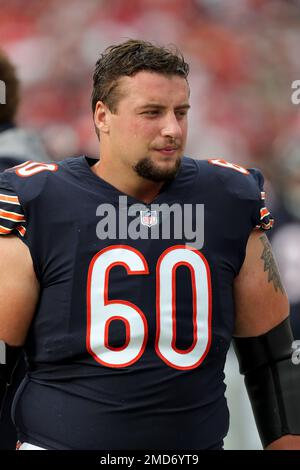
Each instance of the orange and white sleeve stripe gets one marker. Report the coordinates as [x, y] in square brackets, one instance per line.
[266, 219]
[12, 218]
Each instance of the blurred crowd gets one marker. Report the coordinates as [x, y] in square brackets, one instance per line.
[243, 55]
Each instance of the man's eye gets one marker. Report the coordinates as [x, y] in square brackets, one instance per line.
[151, 113]
[181, 114]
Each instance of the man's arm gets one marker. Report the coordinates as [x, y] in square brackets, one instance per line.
[19, 290]
[260, 300]
[261, 304]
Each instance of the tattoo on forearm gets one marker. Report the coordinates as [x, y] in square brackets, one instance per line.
[270, 265]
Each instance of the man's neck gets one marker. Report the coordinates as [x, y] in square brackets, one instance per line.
[127, 181]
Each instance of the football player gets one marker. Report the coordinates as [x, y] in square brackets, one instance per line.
[125, 319]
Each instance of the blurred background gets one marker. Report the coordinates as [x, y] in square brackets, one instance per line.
[244, 56]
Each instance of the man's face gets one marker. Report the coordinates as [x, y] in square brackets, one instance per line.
[149, 129]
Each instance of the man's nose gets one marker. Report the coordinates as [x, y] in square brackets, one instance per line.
[171, 127]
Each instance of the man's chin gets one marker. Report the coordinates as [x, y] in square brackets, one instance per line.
[162, 171]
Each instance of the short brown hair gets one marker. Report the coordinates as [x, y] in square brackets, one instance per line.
[127, 59]
[8, 76]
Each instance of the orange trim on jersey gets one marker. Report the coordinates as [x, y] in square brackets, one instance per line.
[21, 230]
[264, 212]
[10, 199]
[268, 226]
[5, 230]
[11, 216]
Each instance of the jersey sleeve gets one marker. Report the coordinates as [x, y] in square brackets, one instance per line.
[261, 217]
[12, 218]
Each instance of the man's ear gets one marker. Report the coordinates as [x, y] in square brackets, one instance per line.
[101, 117]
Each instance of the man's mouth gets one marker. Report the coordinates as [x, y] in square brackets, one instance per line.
[167, 150]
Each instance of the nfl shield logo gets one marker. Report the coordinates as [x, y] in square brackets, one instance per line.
[148, 218]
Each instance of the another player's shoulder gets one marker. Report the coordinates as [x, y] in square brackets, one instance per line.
[239, 181]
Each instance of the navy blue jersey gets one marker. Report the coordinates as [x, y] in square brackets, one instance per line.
[135, 317]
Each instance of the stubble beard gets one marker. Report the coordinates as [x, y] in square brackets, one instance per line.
[148, 170]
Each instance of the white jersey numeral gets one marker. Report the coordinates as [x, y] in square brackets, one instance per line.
[32, 168]
[169, 261]
[102, 311]
[225, 164]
